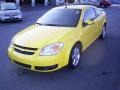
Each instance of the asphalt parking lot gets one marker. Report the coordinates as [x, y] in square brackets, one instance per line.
[99, 68]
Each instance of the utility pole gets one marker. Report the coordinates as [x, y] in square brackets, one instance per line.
[33, 3]
[18, 3]
[46, 3]
[57, 2]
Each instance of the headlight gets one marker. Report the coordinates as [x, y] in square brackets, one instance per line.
[51, 49]
[19, 13]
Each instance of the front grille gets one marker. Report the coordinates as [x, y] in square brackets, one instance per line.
[46, 68]
[21, 64]
[23, 52]
[28, 48]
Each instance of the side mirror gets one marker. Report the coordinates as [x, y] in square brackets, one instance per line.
[101, 9]
[89, 22]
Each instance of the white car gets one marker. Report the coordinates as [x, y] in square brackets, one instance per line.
[10, 12]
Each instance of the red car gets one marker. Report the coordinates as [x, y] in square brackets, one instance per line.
[105, 3]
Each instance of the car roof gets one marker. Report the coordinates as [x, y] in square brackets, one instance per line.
[75, 6]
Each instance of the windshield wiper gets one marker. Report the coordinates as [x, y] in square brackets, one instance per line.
[47, 24]
[39, 23]
[10, 9]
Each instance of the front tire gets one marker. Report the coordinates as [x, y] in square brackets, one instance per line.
[75, 56]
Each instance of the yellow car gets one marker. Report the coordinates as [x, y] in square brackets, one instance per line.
[58, 38]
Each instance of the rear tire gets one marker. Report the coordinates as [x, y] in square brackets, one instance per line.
[103, 34]
[75, 56]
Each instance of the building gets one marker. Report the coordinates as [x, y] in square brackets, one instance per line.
[27, 2]
[2, 0]
[42, 2]
[34, 2]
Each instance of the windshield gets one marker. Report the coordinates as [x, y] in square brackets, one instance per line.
[8, 6]
[61, 17]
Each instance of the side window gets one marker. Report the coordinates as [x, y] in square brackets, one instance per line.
[89, 15]
[97, 11]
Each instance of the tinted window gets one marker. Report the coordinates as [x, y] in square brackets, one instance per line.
[89, 14]
[61, 17]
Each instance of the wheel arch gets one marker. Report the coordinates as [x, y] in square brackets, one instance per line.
[70, 49]
[76, 43]
[80, 43]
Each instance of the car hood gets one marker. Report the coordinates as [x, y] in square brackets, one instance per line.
[10, 12]
[38, 36]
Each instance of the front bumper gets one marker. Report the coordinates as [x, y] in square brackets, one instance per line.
[52, 67]
[11, 18]
[38, 63]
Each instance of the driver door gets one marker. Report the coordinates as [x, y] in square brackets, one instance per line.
[88, 30]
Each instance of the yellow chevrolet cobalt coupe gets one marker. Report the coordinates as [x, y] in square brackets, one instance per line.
[58, 38]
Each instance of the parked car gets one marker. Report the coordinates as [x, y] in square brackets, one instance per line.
[100, 3]
[105, 3]
[9, 12]
[58, 38]
[94, 2]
